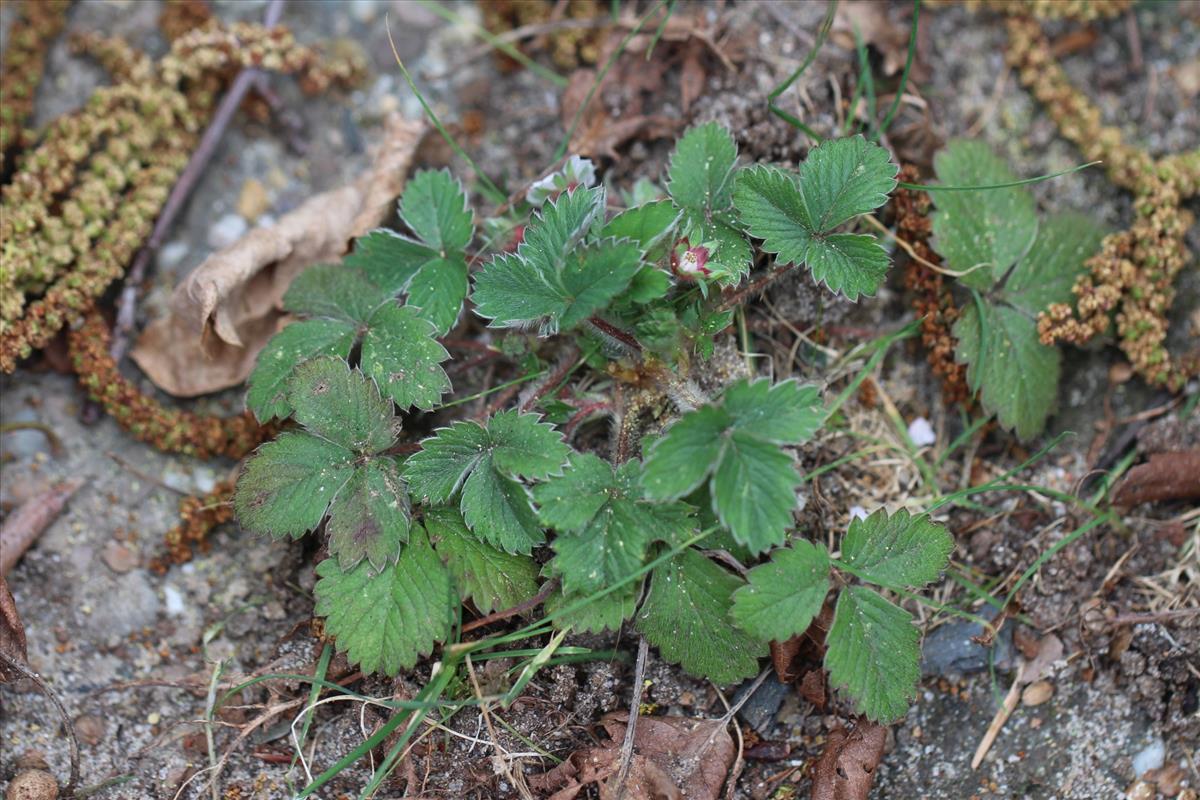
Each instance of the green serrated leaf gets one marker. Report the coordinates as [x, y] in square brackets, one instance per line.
[843, 178]
[266, 394]
[400, 352]
[552, 235]
[369, 518]
[499, 511]
[437, 290]
[1048, 271]
[785, 412]
[1016, 375]
[604, 527]
[333, 291]
[647, 225]
[783, 596]
[491, 578]
[686, 616]
[598, 615]
[896, 550]
[434, 205]
[873, 654]
[753, 481]
[700, 169]
[754, 491]
[288, 483]
[525, 447]
[680, 461]
[342, 405]
[850, 263]
[993, 227]
[445, 461]
[388, 259]
[730, 255]
[385, 621]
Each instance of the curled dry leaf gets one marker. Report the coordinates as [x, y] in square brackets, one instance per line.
[846, 767]
[1166, 476]
[674, 758]
[227, 309]
[871, 20]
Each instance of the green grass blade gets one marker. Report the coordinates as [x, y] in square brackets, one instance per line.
[912, 52]
[600, 76]
[822, 35]
[925, 187]
[437, 123]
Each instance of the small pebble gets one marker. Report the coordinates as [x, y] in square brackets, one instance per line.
[225, 231]
[1037, 693]
[174, 600]
[1140, 791]
[921, 432]
[119, 558]
[1150, 757]
[858, 512]
[154, 718]
[252, 200]
[32, 784]
[89, 728]
[171, 255]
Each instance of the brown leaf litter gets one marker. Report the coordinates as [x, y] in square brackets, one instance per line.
[22, 528]
[846, 768]
[224, 313]
[674, 758]
[1166, 476]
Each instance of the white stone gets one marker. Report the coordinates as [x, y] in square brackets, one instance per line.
[225, 231]
[921, 432]
[1150, 757]
[174, 600]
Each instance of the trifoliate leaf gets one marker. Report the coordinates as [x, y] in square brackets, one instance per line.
[597, 614]
[795, 215]
[491, 578]
[400, 352]
[992, 227]
[433, 268]
[553, 234]
[873, 654]
[896, 550]
[342, 405]
[385, 621]
[1015, 374]
[647, 225]
[486, 463]
[370, 516]
[333, 291]
[434, 205]
[700, 169]
[686, 616]
[783, 596]
[288, 483]
[603, 525]
[1047, 273]
[737, 443]
[266, 394]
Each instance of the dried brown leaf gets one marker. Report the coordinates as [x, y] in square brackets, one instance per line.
[227, 309]
[870, 18]
[23, 526]
[674, 758]
[1166, 476]
[846, 767]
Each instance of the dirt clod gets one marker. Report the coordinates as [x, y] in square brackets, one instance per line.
[32, 784]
